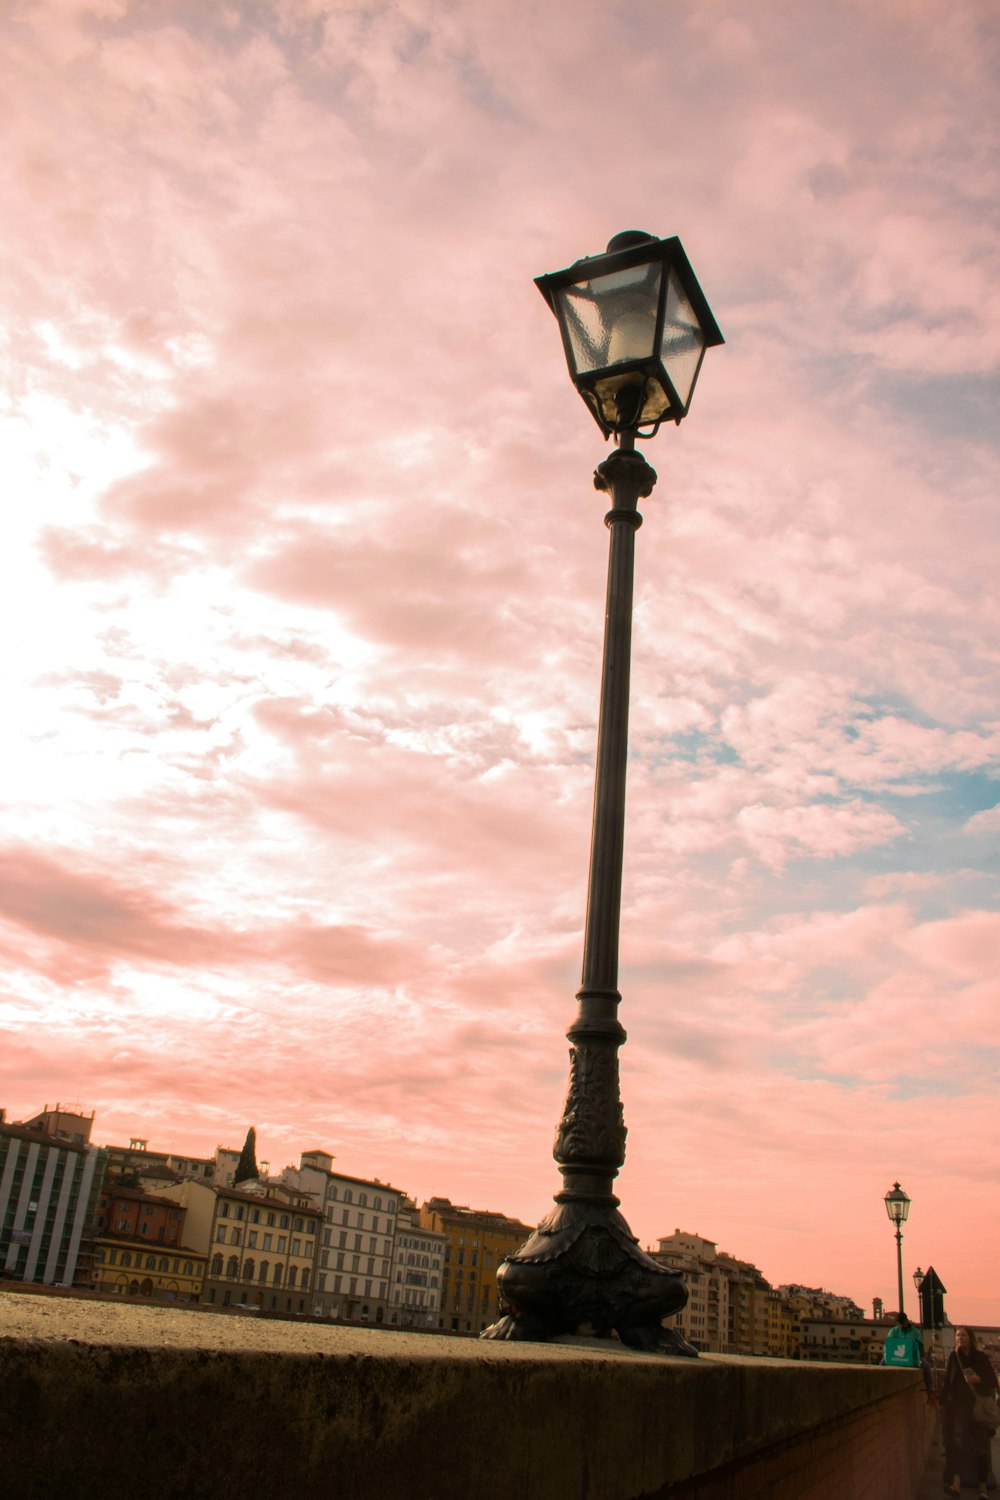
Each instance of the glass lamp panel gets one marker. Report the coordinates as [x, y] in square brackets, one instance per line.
[611, 320]
[683, 339]
[897, 1204]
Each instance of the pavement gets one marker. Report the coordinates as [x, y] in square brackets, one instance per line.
[932, 1480]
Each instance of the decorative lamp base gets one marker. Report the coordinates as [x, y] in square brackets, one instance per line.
[583, 1266]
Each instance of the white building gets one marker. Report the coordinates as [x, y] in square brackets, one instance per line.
[50, 1183]
[354, 1257]
[417, 1271]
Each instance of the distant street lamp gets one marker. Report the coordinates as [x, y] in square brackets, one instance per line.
[918, 1281]
[635, 326]
[897, 1206]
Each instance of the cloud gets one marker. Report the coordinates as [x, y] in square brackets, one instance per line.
[306, 581]
[985, 822]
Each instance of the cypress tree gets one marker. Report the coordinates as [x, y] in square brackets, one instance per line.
[246, 1170]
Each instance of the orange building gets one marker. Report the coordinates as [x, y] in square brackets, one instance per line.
[477, 1241]
[140, 1250]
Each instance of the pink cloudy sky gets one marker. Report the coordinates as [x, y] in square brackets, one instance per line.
[303, 581]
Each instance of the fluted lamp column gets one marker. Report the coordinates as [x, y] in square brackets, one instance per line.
[635, 325]
[897, 1206]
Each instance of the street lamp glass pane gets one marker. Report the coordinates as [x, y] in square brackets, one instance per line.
[683, 339]
[897, 1204]
[611, 320]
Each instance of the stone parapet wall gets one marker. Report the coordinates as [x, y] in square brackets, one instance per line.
[107, 1398]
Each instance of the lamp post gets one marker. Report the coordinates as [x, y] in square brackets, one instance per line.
[635, 326]
[897, 1206]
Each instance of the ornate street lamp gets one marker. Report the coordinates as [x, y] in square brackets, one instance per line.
[635, 326]
[897, 1206]
[918, 1281]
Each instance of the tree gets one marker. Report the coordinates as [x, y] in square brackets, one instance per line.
[246, 1169]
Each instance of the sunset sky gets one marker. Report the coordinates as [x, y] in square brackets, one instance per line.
[302, 574]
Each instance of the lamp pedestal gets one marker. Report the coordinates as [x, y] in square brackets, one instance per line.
[583, 1265]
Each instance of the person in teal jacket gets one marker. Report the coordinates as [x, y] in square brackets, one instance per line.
[904, 1350]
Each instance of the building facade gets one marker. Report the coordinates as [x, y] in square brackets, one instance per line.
[477, 1240]
[733, 1309]
[259, 1240]
[140, 1250]
[704, 1320]
[354, 1257]
[49, 1189]
[417, 1271]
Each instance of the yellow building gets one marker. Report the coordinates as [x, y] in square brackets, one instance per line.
[260, 1241]
[263, 1249]
[135, 1268]
[477, 1241]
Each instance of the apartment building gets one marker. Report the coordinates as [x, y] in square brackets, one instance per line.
[477, 1240]
[259, 1239]
[355, 1251]
[417, 1273]
[50, 1181]
[140, 1250]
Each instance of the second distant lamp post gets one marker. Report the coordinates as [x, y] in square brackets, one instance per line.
[635, 326]
[897, 1206]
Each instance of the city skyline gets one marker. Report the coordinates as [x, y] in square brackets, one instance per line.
[304, 576]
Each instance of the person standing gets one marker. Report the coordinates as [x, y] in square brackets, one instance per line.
[968, 1375]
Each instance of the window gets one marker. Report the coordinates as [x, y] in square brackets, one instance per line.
[276, 1278]
[248, 1270]
[378, 1203]
[270, 1224]
[292, 1273]
[282, 1242]
[224, 1210]
[216, 1265]
[363, 1199]
[347, 1196]
[221, 1236]
[252, 1239]
[189, 1268]
[296, 1247]
[283, 1222]
[255, 1216]
[264, 1268]
[267, 1242]
[240, 1210]
[232, 1268]
[164, 1263]
[297, 1225]
[122, 1224]
[150, 1262]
